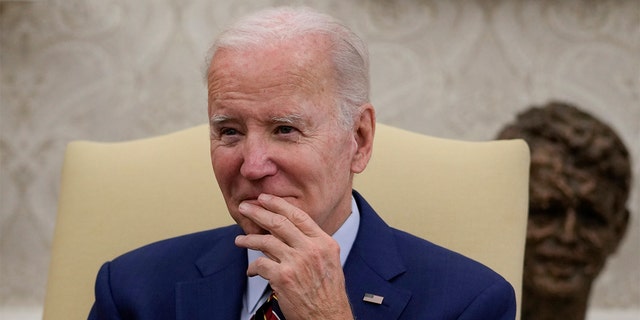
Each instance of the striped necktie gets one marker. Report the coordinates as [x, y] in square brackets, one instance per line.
[269, 310]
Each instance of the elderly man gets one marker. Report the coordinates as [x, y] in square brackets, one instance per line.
[580, 182]
[291, 124]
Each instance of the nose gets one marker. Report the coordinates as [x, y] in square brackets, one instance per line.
[257, 161]
[568, 227]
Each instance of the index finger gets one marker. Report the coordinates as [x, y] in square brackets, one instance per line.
[295, 215]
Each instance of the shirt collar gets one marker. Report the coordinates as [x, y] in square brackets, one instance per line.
[345, 236]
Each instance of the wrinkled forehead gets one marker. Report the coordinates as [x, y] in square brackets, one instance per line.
[553, 166]
[304, 63]
[310, 51]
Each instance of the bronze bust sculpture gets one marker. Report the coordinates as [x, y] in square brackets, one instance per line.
[580, 181]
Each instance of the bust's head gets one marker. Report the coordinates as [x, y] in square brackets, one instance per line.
[580, 181]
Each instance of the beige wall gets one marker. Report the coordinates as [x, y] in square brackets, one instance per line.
[113, 70]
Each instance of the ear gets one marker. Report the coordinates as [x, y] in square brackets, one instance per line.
[363, 130]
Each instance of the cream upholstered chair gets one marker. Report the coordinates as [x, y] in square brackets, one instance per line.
[469, 196]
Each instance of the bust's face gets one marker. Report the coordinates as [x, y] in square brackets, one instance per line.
[574, 220]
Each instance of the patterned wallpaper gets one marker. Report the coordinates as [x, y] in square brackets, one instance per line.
[112, 70]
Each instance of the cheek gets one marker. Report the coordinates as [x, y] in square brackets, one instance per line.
[339, 153]
[537, 232]
[225, 166]
[334, 169]
[600, 242]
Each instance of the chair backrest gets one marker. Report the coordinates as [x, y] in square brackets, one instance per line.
[471, 197]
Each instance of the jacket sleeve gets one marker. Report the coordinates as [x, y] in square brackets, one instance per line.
[104, 308]
[497, 301]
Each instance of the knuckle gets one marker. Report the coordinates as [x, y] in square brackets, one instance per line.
[278, 222]
[267, 241]
[260, 263]
[298, 216]
[287, 275]
[333, 247]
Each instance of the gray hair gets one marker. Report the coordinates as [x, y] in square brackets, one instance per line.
[349, 52]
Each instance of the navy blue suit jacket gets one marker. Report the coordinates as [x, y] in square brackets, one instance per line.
[182, 278]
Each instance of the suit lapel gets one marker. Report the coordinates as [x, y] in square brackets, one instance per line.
[372, 263]
[363, 280]
[218, 294]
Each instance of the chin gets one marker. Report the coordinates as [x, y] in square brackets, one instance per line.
[248, 226]
[560, 288]
[253, 229]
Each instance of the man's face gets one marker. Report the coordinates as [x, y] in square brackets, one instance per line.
[574, 221]
[274, 129]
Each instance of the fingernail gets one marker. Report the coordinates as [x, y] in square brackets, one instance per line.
[265, 197]
[243, 207]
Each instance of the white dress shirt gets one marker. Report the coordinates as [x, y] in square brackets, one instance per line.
[255, 293]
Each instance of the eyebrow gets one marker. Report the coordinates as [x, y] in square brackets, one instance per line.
[218, 118]
[288, 119]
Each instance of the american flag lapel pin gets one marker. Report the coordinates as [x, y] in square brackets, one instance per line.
[372, 298]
